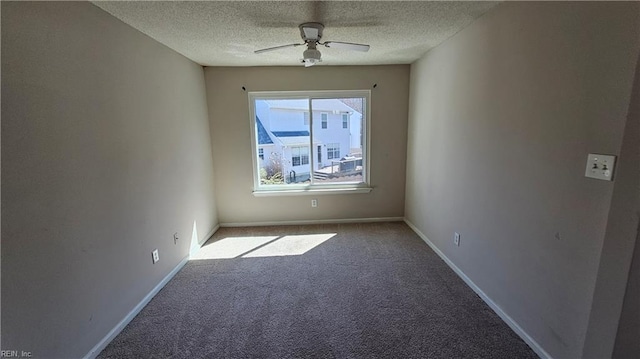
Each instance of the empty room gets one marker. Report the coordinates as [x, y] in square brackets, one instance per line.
[320, 179]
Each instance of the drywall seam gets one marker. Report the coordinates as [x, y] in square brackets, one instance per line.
[313, 221]
[504, 316]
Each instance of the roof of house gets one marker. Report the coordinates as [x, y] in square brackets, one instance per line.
[290, 133]
[294, 141]
[289, 138]
[263, 135]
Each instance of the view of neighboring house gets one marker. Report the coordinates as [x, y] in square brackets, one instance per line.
[284, 131]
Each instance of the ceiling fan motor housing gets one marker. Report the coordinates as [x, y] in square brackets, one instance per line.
[311, 31]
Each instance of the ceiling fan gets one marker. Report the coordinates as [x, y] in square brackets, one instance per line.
[311, 33]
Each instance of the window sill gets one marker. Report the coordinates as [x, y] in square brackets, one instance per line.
[314, 191]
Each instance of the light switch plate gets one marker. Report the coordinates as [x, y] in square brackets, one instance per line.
[600, 166]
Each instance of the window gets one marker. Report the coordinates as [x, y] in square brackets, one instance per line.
[333, 151]
[299, 156]
[306, 156]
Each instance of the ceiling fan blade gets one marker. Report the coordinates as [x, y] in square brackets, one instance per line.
[346, 46]
[310, 33]
[276, 48]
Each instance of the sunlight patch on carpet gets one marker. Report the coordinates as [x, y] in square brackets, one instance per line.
[290, 245]
[261, 246]
[231, 247]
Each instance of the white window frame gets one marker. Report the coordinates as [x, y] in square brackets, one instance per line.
[261, 154]
[331, 148]
[312, 188]
[297, 151]
[324, 120]
[345, 120]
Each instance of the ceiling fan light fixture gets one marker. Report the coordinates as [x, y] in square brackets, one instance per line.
[311, 57]
[311, 33]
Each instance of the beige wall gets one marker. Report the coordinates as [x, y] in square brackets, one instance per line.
[502, 117]
[231, 138]
[622, 235]
[627, 344]
[105, 154]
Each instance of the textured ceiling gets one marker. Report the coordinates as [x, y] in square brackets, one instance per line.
[225, 33]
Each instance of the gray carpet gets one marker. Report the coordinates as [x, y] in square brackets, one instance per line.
[371, 291]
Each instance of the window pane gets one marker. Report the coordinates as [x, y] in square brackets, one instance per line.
[283, 138]
[299, 147]
[337, 140]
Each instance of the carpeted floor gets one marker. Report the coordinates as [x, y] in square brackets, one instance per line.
[364, 291]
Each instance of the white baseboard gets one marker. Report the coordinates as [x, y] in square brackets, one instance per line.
[123, 323]
[505, 317]
[316, 221]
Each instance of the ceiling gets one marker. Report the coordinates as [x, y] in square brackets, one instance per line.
[225, 33]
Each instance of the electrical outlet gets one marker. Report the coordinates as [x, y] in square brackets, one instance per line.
[314, 203]
[155, 256]
[456, 239]
[175, 238]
